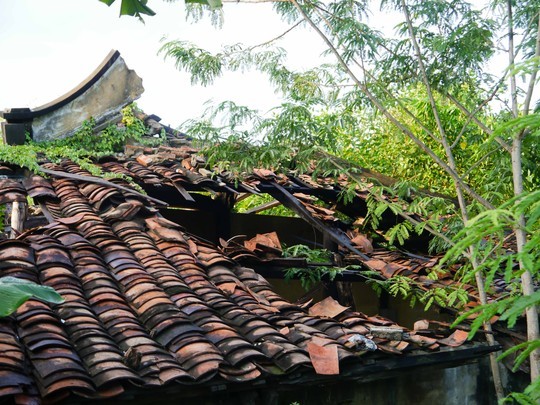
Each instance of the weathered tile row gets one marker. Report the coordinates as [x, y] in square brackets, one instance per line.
[150, 360]
[11, 191]
[236, 350]
[38, 187]
[15, 380]
[17, 260]
[174, 330]
[290, 319]
[54, 362]
[252, 326]
[102, 357]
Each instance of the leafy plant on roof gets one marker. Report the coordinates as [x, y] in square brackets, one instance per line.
[316, 271]
[83, 147]
[254, 201]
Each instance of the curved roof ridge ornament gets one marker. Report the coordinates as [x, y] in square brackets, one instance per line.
[102, 95]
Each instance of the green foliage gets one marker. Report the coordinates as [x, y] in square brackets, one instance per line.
[453, 29]
[138, 8]
[488, 232]
[310, 276]
[135, 8]
[14, 292]
[20, 155]
[254, 201]
[409, 290]
[312, 255]
[83, 146]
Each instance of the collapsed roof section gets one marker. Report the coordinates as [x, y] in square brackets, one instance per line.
[179, 177]
[149, 304]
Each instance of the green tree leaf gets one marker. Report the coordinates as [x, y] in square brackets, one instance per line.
[14, 292]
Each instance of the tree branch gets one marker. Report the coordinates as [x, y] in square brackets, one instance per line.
[387, 114]
[480, 124]
[532, 81]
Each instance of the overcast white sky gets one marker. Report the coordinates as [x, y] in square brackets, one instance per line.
[48, 47]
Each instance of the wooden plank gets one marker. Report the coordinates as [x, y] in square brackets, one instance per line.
[292, 203]
[263, 207]
[46, 213]
[183, 192]
[18, 216]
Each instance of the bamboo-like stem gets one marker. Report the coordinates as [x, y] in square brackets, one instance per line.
[512, 58]
[527, 283]
[497, 381]
[534, 74]
[18, 216]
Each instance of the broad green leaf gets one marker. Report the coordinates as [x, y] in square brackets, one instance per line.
[14, 292]
[135, 8]
[108, 2]
[11, 299]
[215, 4]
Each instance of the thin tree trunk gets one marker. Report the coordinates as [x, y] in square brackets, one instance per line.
[480, 285]
[527, 286]
[526, 278]
[511, 58]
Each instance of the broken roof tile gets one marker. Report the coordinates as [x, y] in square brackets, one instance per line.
[11, 191]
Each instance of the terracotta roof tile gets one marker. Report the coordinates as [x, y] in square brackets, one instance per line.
[11, 191]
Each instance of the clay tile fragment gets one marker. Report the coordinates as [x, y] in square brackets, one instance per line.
[324, 358]
[167, 234]
[423, 341]
[265, 174]
[375, 264]
[71, 220]
[328, 308]
[145, 160]
[421, 325]
[228, 288]
[455, 339]
[362, 242]
[11, 191]
[124, 211]
[269, 240]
